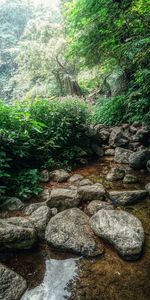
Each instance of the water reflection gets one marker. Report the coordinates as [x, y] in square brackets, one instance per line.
[54, 286]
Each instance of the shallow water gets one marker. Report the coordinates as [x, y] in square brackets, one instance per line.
[52, 275]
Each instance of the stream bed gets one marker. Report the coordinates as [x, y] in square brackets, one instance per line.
[53, 275]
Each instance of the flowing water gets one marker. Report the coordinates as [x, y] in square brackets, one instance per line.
[52, 275]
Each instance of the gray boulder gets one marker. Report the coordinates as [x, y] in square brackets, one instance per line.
[121, 229]
[122, 155]
[75, 178]
[127, 197]
[85, 182]
[70, 230]
[92, 192]
[12, 285]
[118, 138]
[59, 175]
[45, 195]
[147, 187]
[34, 206]
[40, 218]
[63, 199]
[115, 174]
[130, 178]
[148, 166]
[139, 159]
[11, 204]
[110, 152]
[17, 233]
[94, 206]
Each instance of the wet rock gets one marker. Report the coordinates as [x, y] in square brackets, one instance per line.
[59, 175]
[40, 218]
[118, 138]
[139, 159]
[148, 166]
[44, 177]
[70, 230]
[85, 182]
[17, 233]
[97, 150]
[12, 285]
[121, 229]
[94, 206]
[122, 155]
[115, 174]
[75, 178]
[12, 203]
[129, 178]
[92, 192]
[127, 197]
[110, 152]
[63, 199]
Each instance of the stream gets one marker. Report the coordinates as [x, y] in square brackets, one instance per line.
[53, 275]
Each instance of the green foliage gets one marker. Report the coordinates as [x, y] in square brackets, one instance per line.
[37, 134]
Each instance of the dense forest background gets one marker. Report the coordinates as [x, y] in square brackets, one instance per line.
[82, 62]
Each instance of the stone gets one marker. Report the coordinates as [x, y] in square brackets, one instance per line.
[139, 159]
[12, 285]
[70, 231]
[97, 150]
[133, 129]
[115, 174]
[123, 230]
[110, 152]
[148, 166]
[92, 192]
[130, 178]
[40, 218]
[94, 206]
[127, 197]
[117, 138]
[104, 135]
[45, 194]
[44, 176]
[122, 155]
[147, 187]
[11, 204]
[142, 136]
[33, 207]
[59, 175]
[63, 199]
[17, 233]
[85, 182]
[134, 146]
[75, 178]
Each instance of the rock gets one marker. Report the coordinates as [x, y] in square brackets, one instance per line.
[122, 155]
[115, 174]
[117, 138]
[94, 206]
[12, 285]
[17, 233]
[40, 218]
[148, 166]
[142, 136]
[127, 197]
[45, 195]
[121, 229]
[147, 187]
[110, 152]
[75, 178]
[85, 182]
[33, 207]
[104, 135]
[129, 178]
[139, 159]
[70, 231]
[97, 150]
[133, 129]
[134, 146]
[92, 192]
[12, 203]
[45, 176]
[59, 175]
[63, 199]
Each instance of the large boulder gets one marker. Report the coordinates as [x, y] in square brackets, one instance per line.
[59, 175]
[115, 174]
[148, 166]
[76, 178]
[127, 197]
[12, 285]
[92, 192]
[63, 199]
[11, 204]
[70, 231]
[94, 206]
[139, 159]
[40, 218]
[122, 155]
[121, 229]
[130, 178]
[17, 233]
[118, 138]
[147, 187]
